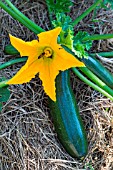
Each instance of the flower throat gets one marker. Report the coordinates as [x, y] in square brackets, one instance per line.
[47, 53]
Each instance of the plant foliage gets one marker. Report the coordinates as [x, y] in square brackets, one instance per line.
[80, 46]
[59, 5]
[67, 33]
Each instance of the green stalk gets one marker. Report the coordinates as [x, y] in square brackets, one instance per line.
[91, 84]
[84, 14]
[98, 37]
[103, 54]
[96, 80]
[3, 83]
[24, 17]
[11, 62]
[16, 14]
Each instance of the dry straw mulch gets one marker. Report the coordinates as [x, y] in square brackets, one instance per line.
[27, 137]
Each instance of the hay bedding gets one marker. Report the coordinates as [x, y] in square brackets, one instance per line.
[27, 137]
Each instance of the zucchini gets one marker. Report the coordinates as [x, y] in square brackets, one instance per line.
[66, 118]
[98, 69]
[9, 49]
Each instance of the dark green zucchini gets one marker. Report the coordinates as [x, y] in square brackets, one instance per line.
[66, 118]
[9, 49]
[98, 69]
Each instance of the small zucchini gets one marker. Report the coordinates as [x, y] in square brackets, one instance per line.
[9, 49]
[98, 69]
[66, 118]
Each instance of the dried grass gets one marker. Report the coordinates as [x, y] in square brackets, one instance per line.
[27, 137]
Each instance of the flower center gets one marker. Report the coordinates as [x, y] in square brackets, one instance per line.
[48, 52]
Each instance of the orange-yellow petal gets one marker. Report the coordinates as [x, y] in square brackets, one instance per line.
[24, 48]
[49, 37]
[25, 74]
[48, 74]
[64, 60]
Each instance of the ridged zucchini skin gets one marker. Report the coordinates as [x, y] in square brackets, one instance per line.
[66, 118]
[9, 49]
[98, 69]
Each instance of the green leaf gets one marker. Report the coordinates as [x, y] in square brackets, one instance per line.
[80, 47]
[67, 33]
[68, 40]
[59, 5]
[4, 94]
[63, 21]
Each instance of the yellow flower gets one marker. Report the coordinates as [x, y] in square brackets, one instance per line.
[45, 57]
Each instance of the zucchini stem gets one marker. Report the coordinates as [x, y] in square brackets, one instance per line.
[84, 14]
[96, 80]
[98, 37]
[11, 62]
[91, 84]
[103, 54]
[16, 14]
